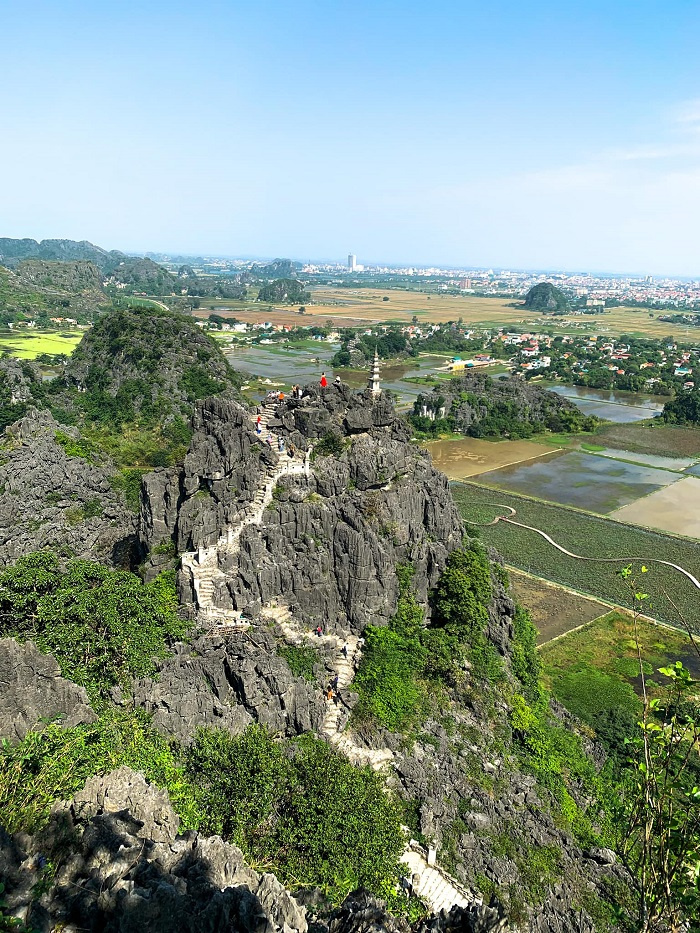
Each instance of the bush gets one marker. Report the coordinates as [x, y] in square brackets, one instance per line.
[103, 626]
[300, 809]
[330, 445]
[53, 763]
[301, 660]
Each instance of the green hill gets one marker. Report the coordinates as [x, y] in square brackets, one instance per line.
[547, 298]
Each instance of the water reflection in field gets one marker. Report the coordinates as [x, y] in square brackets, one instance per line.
[468, 456]
[582, 480]
[623, 407]
[287, 366]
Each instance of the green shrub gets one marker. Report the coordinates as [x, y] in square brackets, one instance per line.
[301, 660]
[76, 447]
[129, 482]
[300, 809]
[53, 763]
[588, 692]
[103, 626]
[330, 445]
[525, 661]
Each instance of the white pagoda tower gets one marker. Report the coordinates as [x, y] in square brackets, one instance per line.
[373, 383]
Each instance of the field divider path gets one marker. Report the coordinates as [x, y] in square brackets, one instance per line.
[602, 560]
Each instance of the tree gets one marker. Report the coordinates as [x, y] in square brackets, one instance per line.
[660, 838]
[103, 626]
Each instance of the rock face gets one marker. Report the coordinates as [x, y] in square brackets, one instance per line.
[31, 688]
[329, 542]
[16, 379]
[228, 684]
[363, 912]
[50, 498]
[475, 400]
[129, 871]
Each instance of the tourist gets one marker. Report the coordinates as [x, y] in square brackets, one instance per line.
[280, 397]
[336, 382]
[329, 694]
[290, 452]
[280, 445]
[324, 381]
[269, 440]
[319, 631]
[345, 650]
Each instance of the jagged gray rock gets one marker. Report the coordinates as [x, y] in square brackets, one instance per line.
[229, 683]
[112, 875]
[51, 499]
[31, 689]
[361, 912]
[329, 543]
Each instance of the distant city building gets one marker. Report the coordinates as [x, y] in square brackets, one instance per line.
[352, 262]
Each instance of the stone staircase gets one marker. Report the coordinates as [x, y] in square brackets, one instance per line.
[432, 884]
[429, 882]
[203, 564]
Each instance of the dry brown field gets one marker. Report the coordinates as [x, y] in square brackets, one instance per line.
[554, 609]
[351, 307]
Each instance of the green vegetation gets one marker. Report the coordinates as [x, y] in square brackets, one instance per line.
[684, 408]
[75, 447]
[406, 665]
[103, 626]
[301, 660]
[298, 808]
[129, 482]
[330, 445]
[479, 406]
[589, 536]
[53, 763]
[546, 297]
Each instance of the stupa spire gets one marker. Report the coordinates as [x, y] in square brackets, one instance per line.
[373, 384]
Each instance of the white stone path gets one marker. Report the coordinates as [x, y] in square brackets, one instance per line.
[430, 882]
[203, 564]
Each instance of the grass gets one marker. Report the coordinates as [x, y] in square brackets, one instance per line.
[597, 667]
[591, 536]
[651, 437]
[28, 345]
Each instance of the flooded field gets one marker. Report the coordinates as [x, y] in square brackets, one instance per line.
[586, 481]
[622, 407]
[675, 508]
[286, 366]
[468, 456]
[653, 460]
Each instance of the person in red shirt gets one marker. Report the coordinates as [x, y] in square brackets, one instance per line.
[324, 381]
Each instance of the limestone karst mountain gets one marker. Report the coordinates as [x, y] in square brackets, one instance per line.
[269, 548]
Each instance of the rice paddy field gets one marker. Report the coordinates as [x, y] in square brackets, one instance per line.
[597, 666]
[672, 596]
[27, 345]
[348, 307]
[555, 610]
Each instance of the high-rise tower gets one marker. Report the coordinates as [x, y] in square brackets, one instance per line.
[352, 262]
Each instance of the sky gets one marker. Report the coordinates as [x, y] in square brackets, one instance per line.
[539, 135]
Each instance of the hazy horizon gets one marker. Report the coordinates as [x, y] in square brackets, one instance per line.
[533, 137]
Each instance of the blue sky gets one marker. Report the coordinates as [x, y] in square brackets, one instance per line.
[508, 134]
